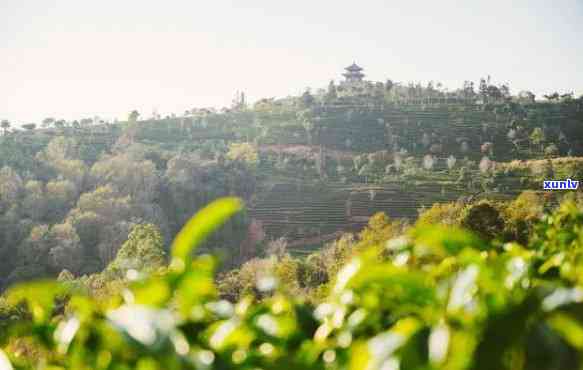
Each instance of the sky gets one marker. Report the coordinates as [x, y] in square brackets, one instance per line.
[72, 59]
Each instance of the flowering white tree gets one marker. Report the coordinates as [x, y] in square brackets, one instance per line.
[451, 162]
[485, 164]
[511, 134]
[428, 162]
[398, 161]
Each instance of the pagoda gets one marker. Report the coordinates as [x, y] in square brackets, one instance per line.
[353, 74]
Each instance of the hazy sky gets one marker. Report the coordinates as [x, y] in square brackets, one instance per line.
[80, 58]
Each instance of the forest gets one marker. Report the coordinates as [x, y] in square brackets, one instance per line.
[360, 226]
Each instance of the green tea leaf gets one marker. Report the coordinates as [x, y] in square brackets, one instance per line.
[207, 220]
[568, 328]
[39, 295]
[443, 241]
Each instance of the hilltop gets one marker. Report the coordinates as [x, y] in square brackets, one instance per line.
[309, 168]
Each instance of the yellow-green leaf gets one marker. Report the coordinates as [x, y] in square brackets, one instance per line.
[568, 328]
[202, 224]
[39, 295]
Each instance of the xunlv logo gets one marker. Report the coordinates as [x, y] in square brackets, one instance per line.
[561, 184]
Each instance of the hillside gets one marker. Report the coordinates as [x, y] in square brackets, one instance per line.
[309, 168]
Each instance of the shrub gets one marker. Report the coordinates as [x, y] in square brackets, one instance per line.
[551, 151]
[484, 219]
[312, 271]
[143, 251]
[522, 214]
[238, 283]
[471, 308]
[244, 152]
[440, 213]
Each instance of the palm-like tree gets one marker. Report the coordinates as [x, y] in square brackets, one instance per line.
[47, 122]
[5, 124]
[133, 116]
[60, 124]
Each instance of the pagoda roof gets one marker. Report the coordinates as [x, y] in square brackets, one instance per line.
[353, 74]
[353, 68]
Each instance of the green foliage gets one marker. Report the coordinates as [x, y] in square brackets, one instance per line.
[484, 219]
[91, 196]
[244, 152]
[440, 213]
[163, 170]
[522, 214]
[551, 151]
[568, 168]
[70, 198]
[559, 237]
[142, 252]
[469, 308]
[200, 226]
[537, 136]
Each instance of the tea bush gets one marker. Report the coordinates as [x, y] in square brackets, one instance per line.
[435, 297]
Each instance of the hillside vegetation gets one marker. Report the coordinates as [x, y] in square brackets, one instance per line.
[425, 297]
[370, 226]
[308, 168]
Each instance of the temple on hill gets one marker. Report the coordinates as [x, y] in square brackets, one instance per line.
[353, 74]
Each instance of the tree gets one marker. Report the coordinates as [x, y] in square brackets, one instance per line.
[468, 90]
[307, 99]
[106, 202]
[440, 213]
[567, 97]
[133, 116]
[495, 92]
[537, 137]
[504, 91]
[34, 250]
[379, 230]
[10, 187]
[244, 152]
[65, 276]
[490, 92]
[435, 298]
[526, 97]
[143, 251]
[88, 226]
[34, 204]
[60, 195]
[136, 178]
[61, 148]
[522, 214]
[47, 122]
[484, 219]
[86, 122]
[29, 126]
[102, 220]
[60, 124]
[239, 101]
[331, 94]
[552, 97]
[67, 251]
[551, 151]
[5, 124]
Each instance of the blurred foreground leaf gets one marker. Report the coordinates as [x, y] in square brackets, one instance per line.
[207, 220]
